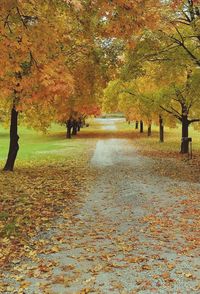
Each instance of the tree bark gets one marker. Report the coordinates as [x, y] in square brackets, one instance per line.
[69, 127]
[141, 126]
[79, 124]
[185, 132]
[161, 129]
[14, 146]
[149, 130]
[136, 125]
[74, 127]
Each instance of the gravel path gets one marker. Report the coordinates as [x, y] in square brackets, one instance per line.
[125, 237]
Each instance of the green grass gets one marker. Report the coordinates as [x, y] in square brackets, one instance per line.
[38, 147]
[125, 130]
[172, 137]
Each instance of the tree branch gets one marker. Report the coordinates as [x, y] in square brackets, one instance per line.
[186, 16]
[194, 120]
[171, 112]
[197, 61]
[6, 23]
[128, 92]
[179, 33]
[160, 59]
[166, 49]
[173, 109]
[182, 22]
[33, 60]
[21, 18]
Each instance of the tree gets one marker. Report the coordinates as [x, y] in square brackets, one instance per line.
[181, 101]
[33, 73]
[167, 55]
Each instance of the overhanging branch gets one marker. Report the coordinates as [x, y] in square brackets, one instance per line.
[171, 112]
[194, 120]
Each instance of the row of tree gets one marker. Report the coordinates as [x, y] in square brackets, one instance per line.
[58, 56]
[160, 76]
[48, 68]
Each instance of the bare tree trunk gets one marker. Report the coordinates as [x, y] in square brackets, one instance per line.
[79, 124]
[136, 125]
[161, 129]
[185, 132]
[69, 127]
[74, 127]
[14, 146]
[141, 126]
[149, 130]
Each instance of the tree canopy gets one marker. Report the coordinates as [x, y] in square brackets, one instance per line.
[59, 58]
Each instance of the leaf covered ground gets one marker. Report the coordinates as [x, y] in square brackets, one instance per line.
[43, 187]
[129, 223]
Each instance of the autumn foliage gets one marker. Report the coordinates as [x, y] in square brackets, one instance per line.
[58, 57]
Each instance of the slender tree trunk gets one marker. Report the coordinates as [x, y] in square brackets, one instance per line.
[161, 129]
[141, 126]
[79, 124]
[185, 132]
[74, 127]
[136, 125]
[69, 127]
[149, 130]
[14, 146]
[69, 133]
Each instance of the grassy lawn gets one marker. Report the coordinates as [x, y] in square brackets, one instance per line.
[172, 138]
[38, 147]
[151, 144]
